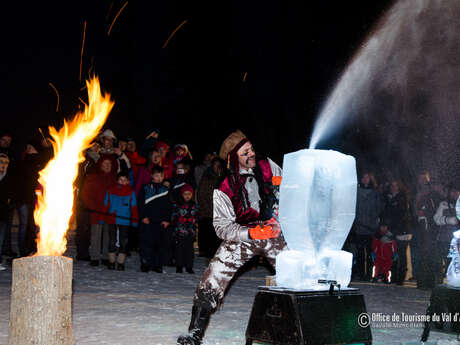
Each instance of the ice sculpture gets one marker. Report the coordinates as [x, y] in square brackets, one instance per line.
[317, 209]
[453, 271]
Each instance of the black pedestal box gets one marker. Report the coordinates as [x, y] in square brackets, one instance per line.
[444, 301]
[291, 317]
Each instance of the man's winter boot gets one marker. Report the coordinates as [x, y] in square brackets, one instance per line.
[198, 324]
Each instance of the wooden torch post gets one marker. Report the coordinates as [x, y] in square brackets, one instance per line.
[41, 301]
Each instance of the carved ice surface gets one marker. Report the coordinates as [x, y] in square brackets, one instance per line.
[317, 209]
[453, 271]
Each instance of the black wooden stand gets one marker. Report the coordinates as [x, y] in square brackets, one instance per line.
[445, 300]
[292, 317]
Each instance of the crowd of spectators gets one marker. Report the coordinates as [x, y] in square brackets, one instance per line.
[157, 201]
[128, 200]
[391, 218]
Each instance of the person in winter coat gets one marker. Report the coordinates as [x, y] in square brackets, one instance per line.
[137, 161]
[155, 214]
[397, 214]
[108, 140]
[150, 142]
[6, 196]
[120, 205]
[182, 176]
[244, 206]
[183, 223]
[144, 175]
[7, 148]
[203, 167]
[179, 152]
[93, 194]
[384, 252]
[369, 205]
[26, 181]
[446, 218]
[166, 163]
[83, 234]
[423, 188]
[429, 261]
[208, 242]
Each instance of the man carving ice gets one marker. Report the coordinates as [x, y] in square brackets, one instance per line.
[244, 206]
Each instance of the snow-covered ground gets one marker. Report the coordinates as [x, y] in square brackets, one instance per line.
[135, 308]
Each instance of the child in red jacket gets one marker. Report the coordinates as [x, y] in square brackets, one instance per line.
[383, 253]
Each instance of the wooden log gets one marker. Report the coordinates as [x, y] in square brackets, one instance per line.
[41, 301]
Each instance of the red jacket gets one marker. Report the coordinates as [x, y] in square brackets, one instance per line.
[95, 187]
[384, 248]
[168, 167]
[120, 206]
[137, 161]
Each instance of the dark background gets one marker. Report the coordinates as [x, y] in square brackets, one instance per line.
[193, 90]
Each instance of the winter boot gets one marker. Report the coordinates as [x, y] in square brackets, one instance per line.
[111, 263]
[198, 324]
[179, 269]
[121, 262]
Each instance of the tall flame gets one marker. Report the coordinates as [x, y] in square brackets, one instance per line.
[55, 203]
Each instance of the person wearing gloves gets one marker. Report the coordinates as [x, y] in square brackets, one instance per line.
[243, 210]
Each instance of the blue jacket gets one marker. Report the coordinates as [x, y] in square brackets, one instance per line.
[154, 203]
[120, 206]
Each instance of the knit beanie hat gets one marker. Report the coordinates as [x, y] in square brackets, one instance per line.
[186, 188]
[161, 144]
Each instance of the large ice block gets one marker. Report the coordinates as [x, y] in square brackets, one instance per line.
[317, 199]
[316, 211]
[302, 270]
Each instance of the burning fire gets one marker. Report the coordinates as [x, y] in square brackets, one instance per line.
[55, 203]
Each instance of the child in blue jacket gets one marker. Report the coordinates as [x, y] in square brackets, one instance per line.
[120, 207]
[155, 214]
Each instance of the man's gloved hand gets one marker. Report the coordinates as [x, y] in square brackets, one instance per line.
[395, 256]
[269, 229]
[451, 220]
[276, 180]
[373, 256]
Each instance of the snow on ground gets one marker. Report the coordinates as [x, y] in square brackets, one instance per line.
[135, 308]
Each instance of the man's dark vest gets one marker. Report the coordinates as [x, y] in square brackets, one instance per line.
[245, 214]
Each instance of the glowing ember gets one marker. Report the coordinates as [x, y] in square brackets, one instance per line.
[55, 203]
[174, 32]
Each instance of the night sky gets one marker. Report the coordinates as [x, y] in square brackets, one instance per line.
[193, 90]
